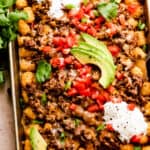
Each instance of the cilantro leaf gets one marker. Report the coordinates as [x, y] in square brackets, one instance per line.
[43, 71]
[43, 99]
[137, 148]
[16, 15]
[6, 3]
[37, 121]
[1, 77]
[108, 10]
[4, 21]
[100, 127]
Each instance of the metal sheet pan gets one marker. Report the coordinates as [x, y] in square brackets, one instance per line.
[14, 73]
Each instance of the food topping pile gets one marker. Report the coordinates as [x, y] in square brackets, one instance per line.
[83, 76]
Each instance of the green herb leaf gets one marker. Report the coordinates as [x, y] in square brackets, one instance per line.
[85, 2]
[4, 21]
[108, 10]
[44, 99]
[2, 77]
[16, 15]
[137, 148]
[6, 3]
[100, 127]
[37, 121]
[68, 85]
[84, 20]
[69, 6]
[22, 104]
[141, 25]
[62, 136]
[96, 13]
[43, 71]
[77, 122]
[1, 42]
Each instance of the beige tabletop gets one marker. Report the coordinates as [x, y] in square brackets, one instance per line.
[6, 119]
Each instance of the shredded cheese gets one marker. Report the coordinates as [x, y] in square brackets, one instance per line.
[126, 122]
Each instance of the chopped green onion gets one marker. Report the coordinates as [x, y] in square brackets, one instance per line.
[96, 13]
[100, 127]
[2, 80]
[77, 122]
[145, 47]
[62, 136]
[68, 85]
[141, 26]
[43, 99]
[37, 122]
[69, 6]
[137, 148]
[84, 20]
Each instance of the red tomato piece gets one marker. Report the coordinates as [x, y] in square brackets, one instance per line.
[88, 8]
[131, 106]
[92, 31]
[119, 76]
[114, 49]
[73, 106]
[68, 59]
[72, 92]
[132, 8]
[111, 89]
[95, 94]
[109, 127]
[93, 108]
[46, 49]
[79, 85]
[99, 20]
[100, 104]
[136, 139]
[85, 92]
[77, 64]
[82, 27]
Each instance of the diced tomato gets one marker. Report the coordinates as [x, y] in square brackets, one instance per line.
[85, 70]
[79, 85]
[88, 8]
[100, 104]
[73, 106]
[119, 76]
[68, 59]
[85, 92]
[87, 80]
[114, 49]
[95, 85]
[75, 21]
[131, 106]
[80, 14]
[77, 64]
[95, 94]
[59, 41]
[112, 29]
[106, 96]
[72, 92]
[46, 49]
[136, 139]
[111, 89]
[70, 41]
[99, 20]
[93, 108]
[82, 27]
[92, 31]
[109, 127]
[58, 62]
[101, 98]
[132, 8]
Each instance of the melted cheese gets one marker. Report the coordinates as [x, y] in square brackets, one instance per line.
[127, 123]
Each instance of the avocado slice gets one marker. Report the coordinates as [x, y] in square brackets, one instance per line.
[98, 44]
[97, 51]
[87, 57]
[37, 141]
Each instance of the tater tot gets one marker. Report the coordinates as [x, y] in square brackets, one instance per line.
[23, 53]
[29, 113]
[145, 89]
[141, 39]
[23, 27]
[146, 148]
[138, 53]
[21, 4]
[21, 39]
[27, 145]
[27, 78]
[26, 65]
[30, 14]
[127, 147]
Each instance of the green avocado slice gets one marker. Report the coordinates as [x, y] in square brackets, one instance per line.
[37, 141]
[98, 52]
[87, 57]
[96, 43]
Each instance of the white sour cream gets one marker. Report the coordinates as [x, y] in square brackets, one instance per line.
[57, 6]
[127, 123]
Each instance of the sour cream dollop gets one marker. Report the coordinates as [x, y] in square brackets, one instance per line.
[126, 122]
[57, 6]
